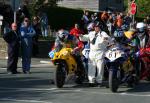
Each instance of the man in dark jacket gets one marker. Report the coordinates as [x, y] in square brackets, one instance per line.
[12, 38]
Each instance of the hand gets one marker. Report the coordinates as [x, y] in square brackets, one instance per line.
[75, 50]
[81, 35]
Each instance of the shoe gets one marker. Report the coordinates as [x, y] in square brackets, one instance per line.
[9, 72]
[99, 82]
[26, 72]
[14, 72]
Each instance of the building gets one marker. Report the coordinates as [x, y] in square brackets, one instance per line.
[93, 5]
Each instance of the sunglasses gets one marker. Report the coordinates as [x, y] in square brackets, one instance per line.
[26, 20]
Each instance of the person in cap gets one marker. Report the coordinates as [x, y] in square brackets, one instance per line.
[12, 38]
[99, 40]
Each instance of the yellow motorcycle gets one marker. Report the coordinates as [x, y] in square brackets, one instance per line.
[66, 65]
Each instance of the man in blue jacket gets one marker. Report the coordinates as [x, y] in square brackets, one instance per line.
[27, 32]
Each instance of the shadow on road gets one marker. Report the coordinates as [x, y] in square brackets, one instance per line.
[141, 87]
[23, 82]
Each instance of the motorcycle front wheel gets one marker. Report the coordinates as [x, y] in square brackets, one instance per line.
[113, 81]
[60, 76]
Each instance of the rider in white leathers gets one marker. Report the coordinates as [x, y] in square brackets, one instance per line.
[98, 45]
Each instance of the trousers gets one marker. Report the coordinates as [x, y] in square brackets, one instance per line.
[96, 66]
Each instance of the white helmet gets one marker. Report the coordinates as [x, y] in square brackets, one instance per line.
[140, 25]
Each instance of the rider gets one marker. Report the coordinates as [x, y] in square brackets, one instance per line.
[65, 39]
[61, 39]
[98, 43]
[144, 46]
[119, 33]
[134, 44]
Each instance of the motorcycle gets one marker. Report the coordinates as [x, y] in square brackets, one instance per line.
[118, 68]
[66, 65]
[114, 57]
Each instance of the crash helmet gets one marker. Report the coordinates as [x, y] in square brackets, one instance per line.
[118, 35]
[130, 33]
[62, 34]
[141, 27]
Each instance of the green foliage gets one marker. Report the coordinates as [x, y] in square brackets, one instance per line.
[143, 8]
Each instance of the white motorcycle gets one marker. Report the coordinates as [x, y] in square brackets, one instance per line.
[114, 58]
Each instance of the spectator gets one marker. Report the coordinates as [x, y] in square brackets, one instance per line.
[104, 16]
[8, 14]
[44, 24]
[86, 20]
[6, 27]
[148, 20]
[127, 19]
[23, 8]
[19, 16]
[85, 17]
[36, 26]
[113, 16]
[110, 25]
[76, 31]
[12, 38]
[119, 20]
[27, 32]
[94, 17]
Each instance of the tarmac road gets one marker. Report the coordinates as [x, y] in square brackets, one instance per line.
[37, 87]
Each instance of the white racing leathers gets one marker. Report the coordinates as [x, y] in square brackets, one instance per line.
[96, 55]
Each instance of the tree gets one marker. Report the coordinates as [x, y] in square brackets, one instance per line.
[143, 8]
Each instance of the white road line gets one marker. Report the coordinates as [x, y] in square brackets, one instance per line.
[28, 89]
[3, 68]
[29, 101]
[45, 62]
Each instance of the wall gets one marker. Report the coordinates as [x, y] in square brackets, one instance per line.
[3, 49]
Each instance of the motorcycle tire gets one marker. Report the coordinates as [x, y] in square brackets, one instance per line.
[113, 81]
[60, 76]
